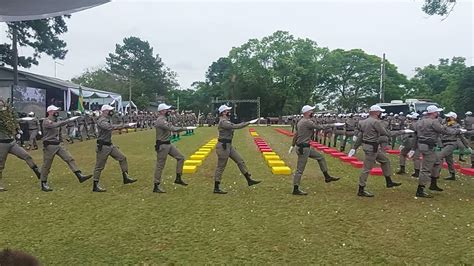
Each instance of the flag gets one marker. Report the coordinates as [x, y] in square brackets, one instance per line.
[80, 102]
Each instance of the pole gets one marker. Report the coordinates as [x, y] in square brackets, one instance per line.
[15, 55]
[130, 85]
[177, 107]
[382, 80]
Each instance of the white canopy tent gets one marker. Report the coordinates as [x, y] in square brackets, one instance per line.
[116, 99]
[20, 10]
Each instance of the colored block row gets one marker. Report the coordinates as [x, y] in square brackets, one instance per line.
[195, 160]
[273, 160]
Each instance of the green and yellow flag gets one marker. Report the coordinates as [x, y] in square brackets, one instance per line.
[80, 102]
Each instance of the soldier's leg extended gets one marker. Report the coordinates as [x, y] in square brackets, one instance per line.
[427, 165]
[19, 152]
[386, 169]
[303, 155]
[447, 154]
[402, 160]
[313, 154]
[32, 141]
[369, 162]
[416, 163]
[67, 158]
[101, 159]
[161, 156]
[122, 159]
[174, 152]
[235, 156]
[222, 158]
[4, 150]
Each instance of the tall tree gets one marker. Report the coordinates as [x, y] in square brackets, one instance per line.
[43, 36]
[135, 63]
[438, 7]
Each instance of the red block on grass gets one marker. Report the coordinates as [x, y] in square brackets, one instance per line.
[337, 154]
[393, 151]
[348, 159]
[456, 165]
[266, 150]
[376, 171]
[467, 171]
[329, 150]
[357, 164]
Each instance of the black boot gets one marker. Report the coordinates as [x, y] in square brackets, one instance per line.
[37, 172]
[298, 192]
[45, 187]
[127, 179]
[179, 180]
[157, 189]
[390, 183]
[364, 193]
[217, 189]
[97, 188]
[434, 184]
[417, 173]
[420, 192]
[402, 170]
[452, 177]
[250, 181]
[82, 178]
[342, 149]
[328, 178]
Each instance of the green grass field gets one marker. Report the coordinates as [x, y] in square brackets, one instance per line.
[263, 224]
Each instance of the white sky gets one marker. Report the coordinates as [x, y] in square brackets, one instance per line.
[190, 35]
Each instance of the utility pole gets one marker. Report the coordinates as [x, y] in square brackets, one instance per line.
[130, 86]
[55, 70]
[15, 54]
[382, 80]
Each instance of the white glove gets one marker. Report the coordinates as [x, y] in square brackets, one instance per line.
[18, 136]
[73, 118]
[411, 153]
[40, 133]
[401, 147]
[354, 138]
[20, 132]
[190, 128]
[339, 124]
[291, 149]
[253, 121]
[408, 131]
[351, 153]
[132, 124]
[463, 130]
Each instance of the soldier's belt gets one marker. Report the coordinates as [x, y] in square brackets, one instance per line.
[6, 140]
[430, 144]
[375, 145]
[104, 143]
[46, 143]
[158, 143]
[225, 142]
[301, 146]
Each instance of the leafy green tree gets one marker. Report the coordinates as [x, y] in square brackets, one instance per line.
[43, 36]
[438, 7]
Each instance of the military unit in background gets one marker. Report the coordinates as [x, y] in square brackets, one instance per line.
[427, 138]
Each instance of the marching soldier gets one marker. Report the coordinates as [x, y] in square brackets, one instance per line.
[304, 130]
[428, 131]
[164, 148]
[70, 126]
[450, 143]
[33, 128]
[339, 130]
[349, 129]
[408, 144]
[469, 125]
[53, 147]
[225, 150]
[371, 130]
[9, 146]
[105, 148]
[91, 124]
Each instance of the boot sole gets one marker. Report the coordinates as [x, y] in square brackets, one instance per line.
[129, 182]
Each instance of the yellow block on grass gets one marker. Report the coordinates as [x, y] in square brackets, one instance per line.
[197, 157]
[271, 157]
[204, 149]
[272, 163]
[205, 153]
[268, 153]
[193, 162]
[208, 147]
[189, 169]
[281, 170]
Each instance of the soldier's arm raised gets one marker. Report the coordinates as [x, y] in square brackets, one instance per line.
[229, 125]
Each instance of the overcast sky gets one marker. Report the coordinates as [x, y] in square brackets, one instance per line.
[190, 35]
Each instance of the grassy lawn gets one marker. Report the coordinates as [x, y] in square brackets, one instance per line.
[263, 224]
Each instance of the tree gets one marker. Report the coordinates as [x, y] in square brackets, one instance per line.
[40, 35]
[438, 7]
[134, 63]
[464, 93]
[350, 80]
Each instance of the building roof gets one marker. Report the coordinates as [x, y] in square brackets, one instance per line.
[53, 82]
